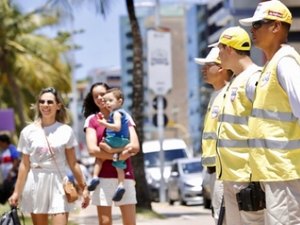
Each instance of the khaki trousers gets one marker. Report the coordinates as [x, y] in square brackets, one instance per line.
[233, 215]
[217, 196]
[282, 202]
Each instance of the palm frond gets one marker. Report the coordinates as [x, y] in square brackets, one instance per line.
[30, 61]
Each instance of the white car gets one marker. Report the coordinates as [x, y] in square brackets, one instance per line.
[185, 181]
[173, 149]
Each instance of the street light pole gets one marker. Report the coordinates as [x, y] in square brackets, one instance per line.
[160, 81]
[160, 122]
[157, 17]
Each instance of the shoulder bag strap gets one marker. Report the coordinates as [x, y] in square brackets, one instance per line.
[52, 153]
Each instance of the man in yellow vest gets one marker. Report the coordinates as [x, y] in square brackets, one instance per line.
[232, 165]
[274, 122]
[218, 77]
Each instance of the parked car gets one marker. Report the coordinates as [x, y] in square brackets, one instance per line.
[173, 149]
[185, 181]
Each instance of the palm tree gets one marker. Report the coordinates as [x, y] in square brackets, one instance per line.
[138, 93]
[29, 61]
[137, 107]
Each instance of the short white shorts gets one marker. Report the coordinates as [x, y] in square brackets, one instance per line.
[104, 192]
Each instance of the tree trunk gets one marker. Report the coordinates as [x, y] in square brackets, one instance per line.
[143, 196]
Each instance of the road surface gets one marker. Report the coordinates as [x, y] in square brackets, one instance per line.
[176, 214]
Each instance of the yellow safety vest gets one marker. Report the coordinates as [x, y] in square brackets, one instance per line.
[232, 144]
[274, 130]
[209, 136]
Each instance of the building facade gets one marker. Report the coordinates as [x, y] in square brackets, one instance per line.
[183, 103]
[193, 27]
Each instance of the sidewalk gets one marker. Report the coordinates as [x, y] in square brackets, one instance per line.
[173, 215]
[88, 216]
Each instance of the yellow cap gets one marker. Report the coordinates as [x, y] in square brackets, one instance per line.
[235, 37]
[212, 57]
[270, 10]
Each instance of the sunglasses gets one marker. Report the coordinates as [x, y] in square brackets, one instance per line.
[48, 102]
[49, 89]
[258, 24]
[212, 64]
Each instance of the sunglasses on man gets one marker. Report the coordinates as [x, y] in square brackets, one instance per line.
[258, 24]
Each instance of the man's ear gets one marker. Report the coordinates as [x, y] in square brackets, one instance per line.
[277, 26]
[229, 49]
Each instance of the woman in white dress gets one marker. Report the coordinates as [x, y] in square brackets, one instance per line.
[39, 187]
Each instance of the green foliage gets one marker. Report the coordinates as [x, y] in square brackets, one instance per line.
[30, 61]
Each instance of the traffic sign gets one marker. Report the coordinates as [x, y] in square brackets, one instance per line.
[165, 118]
[155, 103]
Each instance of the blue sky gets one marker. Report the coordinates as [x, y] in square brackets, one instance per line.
[100, 41]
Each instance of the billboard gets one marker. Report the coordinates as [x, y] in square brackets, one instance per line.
[159, 61]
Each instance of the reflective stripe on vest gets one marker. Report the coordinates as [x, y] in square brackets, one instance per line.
[209, 136]
[209, 160]
[274, 145]
[233, 143]
[283, 116]
[233, 119]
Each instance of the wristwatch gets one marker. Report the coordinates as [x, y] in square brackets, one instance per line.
[115, 157]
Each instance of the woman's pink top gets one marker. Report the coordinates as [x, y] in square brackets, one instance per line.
[108, 170]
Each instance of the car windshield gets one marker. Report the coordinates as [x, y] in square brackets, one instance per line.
[191, 167]
[152, 158]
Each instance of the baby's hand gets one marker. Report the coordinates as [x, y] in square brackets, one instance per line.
[100, 118]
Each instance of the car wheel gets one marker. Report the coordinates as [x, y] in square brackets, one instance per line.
[206, 203]
[171, 202]
[182, 202]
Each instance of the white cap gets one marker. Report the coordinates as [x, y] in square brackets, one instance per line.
[271, 10]
[212, 57]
